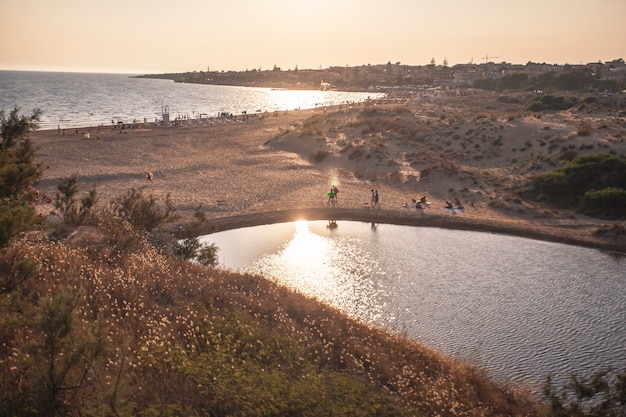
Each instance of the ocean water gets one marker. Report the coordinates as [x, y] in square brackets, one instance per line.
[85, 99]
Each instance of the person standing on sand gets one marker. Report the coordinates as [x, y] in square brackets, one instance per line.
[376, 203]
[373, 202]
[331, 196]
[335, 190]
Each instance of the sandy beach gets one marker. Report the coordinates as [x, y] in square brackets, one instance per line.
[278, 167]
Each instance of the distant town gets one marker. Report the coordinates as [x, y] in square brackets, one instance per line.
[607, 77]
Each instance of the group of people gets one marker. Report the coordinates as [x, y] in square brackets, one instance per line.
[334, 191]
[422, 203]
[375, 202]
[457, 205]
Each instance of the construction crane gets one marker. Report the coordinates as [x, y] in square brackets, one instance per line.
[487, 58]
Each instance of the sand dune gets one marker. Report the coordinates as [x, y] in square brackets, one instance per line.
[278, 167]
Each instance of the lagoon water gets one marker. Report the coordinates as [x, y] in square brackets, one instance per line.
[83, 99]
[519, 308]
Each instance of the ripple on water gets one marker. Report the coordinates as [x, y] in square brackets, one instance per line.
[521, 308]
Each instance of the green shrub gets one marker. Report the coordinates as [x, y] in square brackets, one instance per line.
[74, 214]
[191, 248]
[143, 213]
[550, 102]
[609, 203]
[207, 255]
[567, 186]
[187, 248]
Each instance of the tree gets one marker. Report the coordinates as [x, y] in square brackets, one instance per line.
[512, 82]
[579, 79]
[72, 213]
[18, 174]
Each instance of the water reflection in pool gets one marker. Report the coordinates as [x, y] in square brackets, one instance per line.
[518, 307]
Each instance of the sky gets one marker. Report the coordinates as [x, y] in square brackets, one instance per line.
[158, 36]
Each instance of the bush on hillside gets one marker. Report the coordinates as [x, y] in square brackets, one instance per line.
[193, 248]
[73, 213]
[142, 213]
[550, 102]
[592, 183]
[609, 203]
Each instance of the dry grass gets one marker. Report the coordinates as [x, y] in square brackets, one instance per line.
[152, 334]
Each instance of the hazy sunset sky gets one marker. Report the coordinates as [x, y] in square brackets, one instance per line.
[139, 36]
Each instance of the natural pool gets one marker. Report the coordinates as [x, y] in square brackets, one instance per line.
[519, 308]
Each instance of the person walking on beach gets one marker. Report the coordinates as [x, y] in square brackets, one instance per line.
[331, 196]
[376, 203]
[335, 190]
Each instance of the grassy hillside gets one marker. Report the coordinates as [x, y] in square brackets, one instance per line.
[92, 327]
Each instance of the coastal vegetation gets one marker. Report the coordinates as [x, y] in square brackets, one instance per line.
[102, 313]
[594, 184]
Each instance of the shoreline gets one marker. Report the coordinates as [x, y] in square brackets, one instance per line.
[389, 217]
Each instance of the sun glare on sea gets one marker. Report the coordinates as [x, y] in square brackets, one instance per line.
[295, 100]
[306, 248]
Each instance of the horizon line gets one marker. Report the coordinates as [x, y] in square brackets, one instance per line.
[134, 72]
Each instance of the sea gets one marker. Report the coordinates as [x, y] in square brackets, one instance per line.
[70, 100]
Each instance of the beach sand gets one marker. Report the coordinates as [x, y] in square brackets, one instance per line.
[278, 167]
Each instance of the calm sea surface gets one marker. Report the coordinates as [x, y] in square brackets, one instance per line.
[519, 308]
[79, 99]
